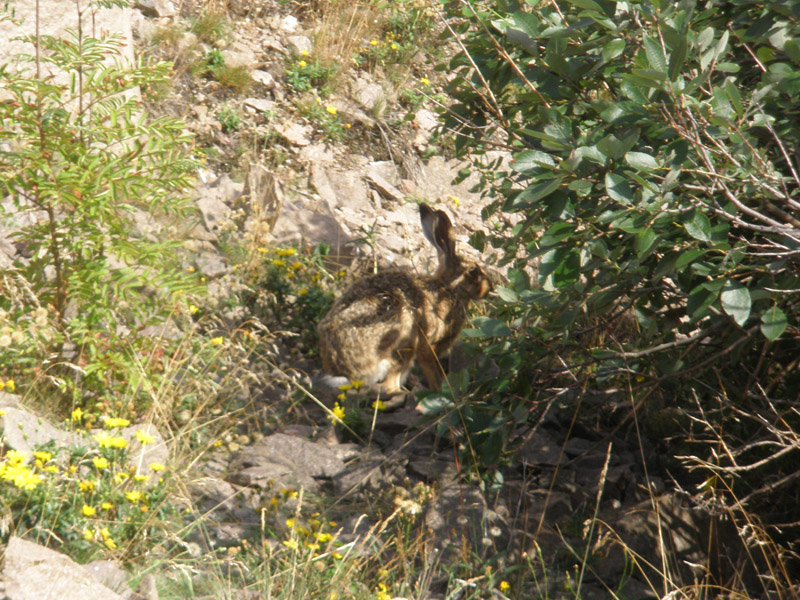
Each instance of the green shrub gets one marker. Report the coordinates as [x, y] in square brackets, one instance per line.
[82, 158]
[651, 208]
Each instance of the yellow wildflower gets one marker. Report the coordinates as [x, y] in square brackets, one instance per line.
[331, 109]
[106, 505]
[383, 592]
[134, 496]
[77, 414]
[110, 543]
[302, 291]
[100, 462]
[144, 437]
[10, 385]
[302, 64]
[156, 467]
[193, 309]
[87, 485]
[373, 42]
[121, 477]
[216, 341]
[393, 46]
[357, 383]
[291, 544]
[105, 440]
[114, 423]
[141, 478]
[337, 414]
[303, 52]
[88, 511]
[42, 456]
[425, 81]
[88, 534]
[378, 405]
[504, 586]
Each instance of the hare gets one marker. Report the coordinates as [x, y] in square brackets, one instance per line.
[383, 322]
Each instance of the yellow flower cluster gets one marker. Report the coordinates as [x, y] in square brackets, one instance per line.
[105, 440]
[14, 469]
[8, 384]
[310, 535]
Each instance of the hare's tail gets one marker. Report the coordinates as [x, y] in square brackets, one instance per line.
[333, 381]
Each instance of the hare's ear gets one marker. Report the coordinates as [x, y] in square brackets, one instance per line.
[438, 230]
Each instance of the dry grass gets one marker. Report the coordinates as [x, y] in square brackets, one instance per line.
[343, 28]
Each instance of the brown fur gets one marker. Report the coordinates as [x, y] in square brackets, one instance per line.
[383, 322]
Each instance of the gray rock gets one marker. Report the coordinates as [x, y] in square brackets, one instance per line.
[460, 513]
[385, 188]
[299, 44]
[368, 95]
[316, 155]
[55, 17]
[230, 512]
[371, 474]
[426, 120]
[288, 23]
[338, 187]
[215, 200]
[265, 78]
[303, 223]
[295, 134]
[25, 431]
[259, 104]
[302, 456]
[111, 575]
[156, 8]
[33, 572]
[269, 475]
[264, 196]
[540, 449]
[211, 264]
[239, 55]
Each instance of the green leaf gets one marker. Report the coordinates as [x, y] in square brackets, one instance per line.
[641, 161]
[645, 242]
[736, 302]
[568, 269]
[530, 160]
[613, 49]
[655, 54]
[536, 192]
[699, 301]
[735, 97]
[773, 323]
[618, 188]
[699, 227]
[677, 58]
[507, 295]
[491, 327]
[587, 4]
[705, 38]
[686, 258]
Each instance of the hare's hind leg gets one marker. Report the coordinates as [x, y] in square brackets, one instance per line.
[431, 366]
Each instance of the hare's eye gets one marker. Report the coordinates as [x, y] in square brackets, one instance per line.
[475, 272]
